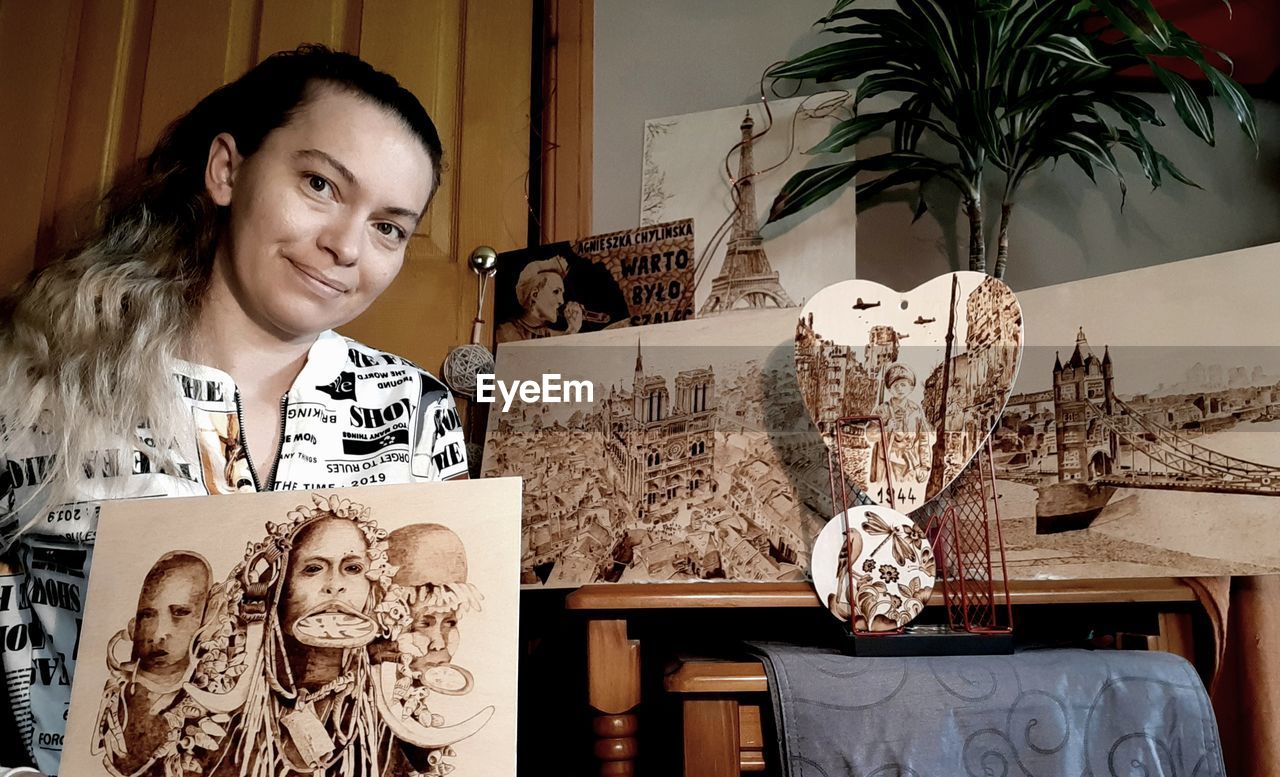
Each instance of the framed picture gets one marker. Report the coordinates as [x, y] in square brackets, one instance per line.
[632, 277]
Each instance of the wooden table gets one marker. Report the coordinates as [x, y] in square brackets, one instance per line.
[613, 658]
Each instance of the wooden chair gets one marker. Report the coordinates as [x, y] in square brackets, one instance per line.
[722, 701]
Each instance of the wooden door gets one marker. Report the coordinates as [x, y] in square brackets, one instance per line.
[87, 86]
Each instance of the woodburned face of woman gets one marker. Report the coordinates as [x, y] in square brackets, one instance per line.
[327, 566]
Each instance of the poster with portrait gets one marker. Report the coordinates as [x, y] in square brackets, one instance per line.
[361, 631]
[627, 278]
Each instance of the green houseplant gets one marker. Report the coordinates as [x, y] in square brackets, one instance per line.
[1001, 85]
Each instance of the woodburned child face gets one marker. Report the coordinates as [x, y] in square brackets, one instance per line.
[327, 567]
[435, 633]
[170, 611]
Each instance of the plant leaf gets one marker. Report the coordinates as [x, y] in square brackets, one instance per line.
[808, 186]
[850, 131]
[1131, 108]
[1079, 143]
[906, 134]
[871, 189]
[1121, 21]
[1169, 168]
[1084, 164]
[840, 6]
[1097, 153]
[1239, 100]
[836, 61]
[1142, 149]
[879, 83]
[1070, 49]
[881, 17]
[1192, 108]
[922, 207]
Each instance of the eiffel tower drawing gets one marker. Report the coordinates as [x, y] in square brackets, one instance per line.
[746, 275]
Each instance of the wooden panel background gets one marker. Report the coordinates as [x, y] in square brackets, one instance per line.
[567, 85]
[87, 86]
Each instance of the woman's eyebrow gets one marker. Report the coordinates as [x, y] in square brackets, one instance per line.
[413, 215]
[350, 178]
[315, 153]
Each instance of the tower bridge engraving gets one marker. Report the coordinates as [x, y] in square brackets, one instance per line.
[1100, 442]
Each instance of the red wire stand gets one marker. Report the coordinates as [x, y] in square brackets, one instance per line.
[959, 523]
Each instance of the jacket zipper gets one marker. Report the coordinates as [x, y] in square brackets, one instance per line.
[275, 465]
[253, 471]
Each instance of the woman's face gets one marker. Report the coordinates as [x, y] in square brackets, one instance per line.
[321, 214]
[326, 573]
[549, 299]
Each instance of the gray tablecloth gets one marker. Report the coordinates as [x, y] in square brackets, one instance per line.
[1053, 713]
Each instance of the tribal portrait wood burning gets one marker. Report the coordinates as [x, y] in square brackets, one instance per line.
[363, 633]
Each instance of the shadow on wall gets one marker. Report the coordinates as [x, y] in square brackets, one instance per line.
[799, 445]
[1065, 227]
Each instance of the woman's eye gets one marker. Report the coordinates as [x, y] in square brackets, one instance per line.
[390, 230]
[312, 569]
[355, 569]
[318, 184]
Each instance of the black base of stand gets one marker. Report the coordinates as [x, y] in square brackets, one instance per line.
[937, 640]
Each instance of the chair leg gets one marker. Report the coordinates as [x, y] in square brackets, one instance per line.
[613, 671]
[711, 738]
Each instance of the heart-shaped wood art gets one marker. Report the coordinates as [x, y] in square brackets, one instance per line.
[866, 351]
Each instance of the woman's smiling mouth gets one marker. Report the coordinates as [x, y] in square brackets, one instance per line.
[321, 283]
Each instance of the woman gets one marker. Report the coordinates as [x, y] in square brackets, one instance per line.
[279, 208]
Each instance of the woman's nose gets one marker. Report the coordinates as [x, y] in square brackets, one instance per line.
[340, 238]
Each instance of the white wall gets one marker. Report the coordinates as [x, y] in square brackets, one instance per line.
[665, 57]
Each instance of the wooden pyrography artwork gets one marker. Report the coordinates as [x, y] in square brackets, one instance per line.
[936, 365]
[890, 561]
[692, 459]
[346, 632]
[723, 168]
[1143, 436]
